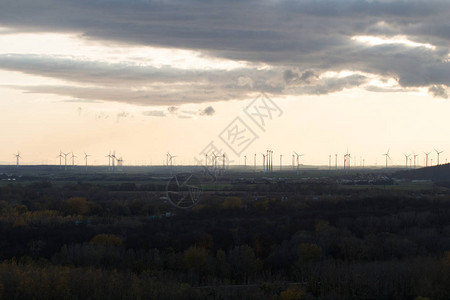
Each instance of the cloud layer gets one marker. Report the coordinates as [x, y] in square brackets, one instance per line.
[297, 42]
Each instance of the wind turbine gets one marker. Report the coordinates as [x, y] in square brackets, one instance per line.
[113, 160]
[264, 161]
[18, 157]
[298, 160]
[245, 161]
[406, 158]
[335, 161]
[120, 162]
[169, 159]
[215, 160]
[269, 160]
[438, 153]
[86, 159]
[426, 158]
[60, 157]
[329, 162]
[65, 160]
[109, 159]
[281, 161]
[73, 159]
[347, 157]
[387, 156]
[415, 155]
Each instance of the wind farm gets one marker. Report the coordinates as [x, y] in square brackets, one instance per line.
[267, 161]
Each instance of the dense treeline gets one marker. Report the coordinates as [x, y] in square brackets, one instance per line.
[84, 241]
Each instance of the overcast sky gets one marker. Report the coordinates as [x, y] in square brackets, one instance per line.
[146, 77]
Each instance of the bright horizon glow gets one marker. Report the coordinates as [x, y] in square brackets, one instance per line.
[74, 46]
[398, 39]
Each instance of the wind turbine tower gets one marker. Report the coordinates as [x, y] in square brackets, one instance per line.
[60, 157]
[298, 160]
[406, 159]
[109, 159]
[426, 158]
[86, 159]
[264, 162]
[215, 161]
[270, 161]
[73, 160]
[347, 161]
[65, 160]
[113, 160]
[18, 157]
[169, 159]
[387, 157]
[415, 156]
[438, 153]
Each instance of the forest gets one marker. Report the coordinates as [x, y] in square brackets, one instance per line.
[257, 240]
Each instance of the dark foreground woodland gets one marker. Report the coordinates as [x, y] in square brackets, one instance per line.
[77, 240]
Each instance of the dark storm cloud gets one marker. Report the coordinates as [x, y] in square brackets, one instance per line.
[438, 91]
[299, 40]
[208, 111]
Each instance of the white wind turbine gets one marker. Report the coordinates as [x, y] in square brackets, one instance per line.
[86, 159]
[298, 160]
[60, 158]
[65, 159]
[406, 158]
[386, 155]
[215, 160]
[415, 155]
[264, 162]
[426, 158]
[109, 159]
[169, 160]
[73, 159]
[18, 157]
[438, 153]
[113, 160]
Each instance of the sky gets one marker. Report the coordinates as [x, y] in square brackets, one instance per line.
[142, 78]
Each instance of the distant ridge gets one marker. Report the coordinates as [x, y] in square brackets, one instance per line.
[439, 173]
